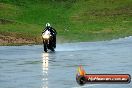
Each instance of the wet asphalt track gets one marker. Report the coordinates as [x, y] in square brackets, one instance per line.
[30, 67]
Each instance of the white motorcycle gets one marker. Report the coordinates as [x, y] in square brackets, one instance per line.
[47, 41]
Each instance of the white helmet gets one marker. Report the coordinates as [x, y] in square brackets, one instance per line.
[47, 24]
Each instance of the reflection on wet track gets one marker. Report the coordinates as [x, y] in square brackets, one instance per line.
[45, 62]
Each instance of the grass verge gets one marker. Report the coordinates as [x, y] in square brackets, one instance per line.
[21, 22]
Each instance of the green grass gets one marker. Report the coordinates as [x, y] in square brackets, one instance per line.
[74, 20]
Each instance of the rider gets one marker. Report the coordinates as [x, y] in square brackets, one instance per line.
[52, 31]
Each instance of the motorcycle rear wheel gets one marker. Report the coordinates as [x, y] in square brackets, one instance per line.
[52, 49]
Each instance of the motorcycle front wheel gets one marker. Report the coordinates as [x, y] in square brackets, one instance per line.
[45, 46]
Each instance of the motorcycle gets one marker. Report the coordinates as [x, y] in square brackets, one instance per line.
[47, 41]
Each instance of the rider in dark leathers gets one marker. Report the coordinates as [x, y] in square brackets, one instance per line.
[53, 33]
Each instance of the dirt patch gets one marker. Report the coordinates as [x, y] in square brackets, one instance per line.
[5, 40]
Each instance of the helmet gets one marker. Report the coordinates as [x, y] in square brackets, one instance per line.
[47, 24]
